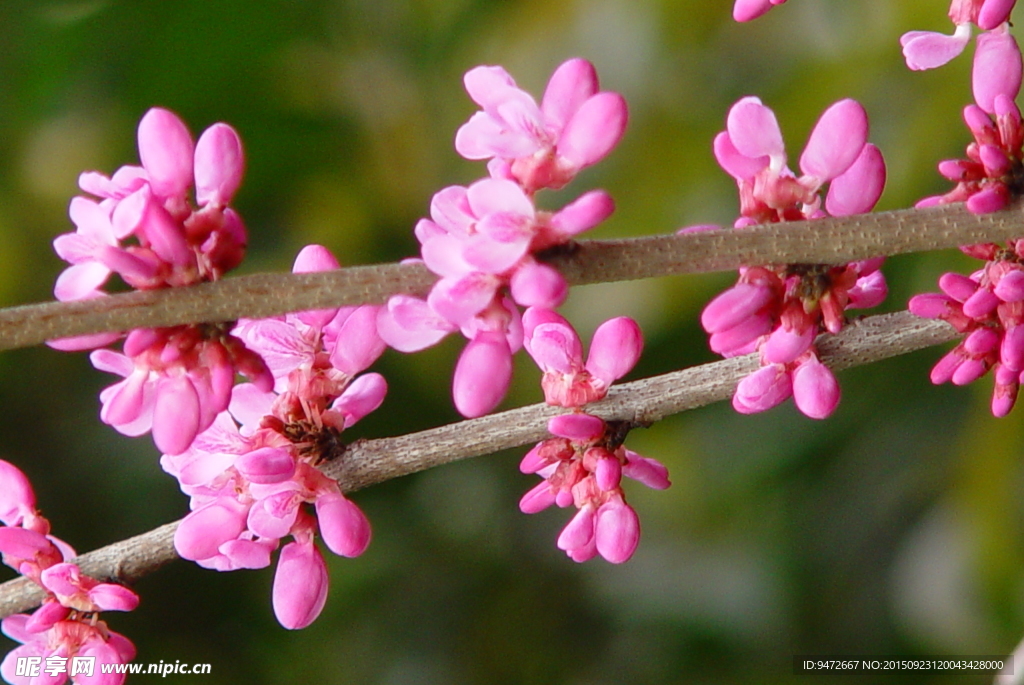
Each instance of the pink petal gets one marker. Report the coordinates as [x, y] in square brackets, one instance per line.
[578, 532]
[836, 141]
[250, 554]
[870, 291]
[16, 495]
[579, 427]
[1010, 287]
[745, 10]
[583, 213]
[219, 165]
[556, 347]
[408, 324]
[459, 299]
[650, 472]
[343, 526]
[488, 85]
[482, 374]
[785, 344]
[617, 531]
[994, 12]
[929, 305]
[981, 303]
[608, 473]
[535, 316]
[815, 389]
[484, 136]
[539, 498]
[300, 585]
[957, 286]
[538, 285]
[735, 164]
[927, 50]
[997, 69]
[615, 349]
[266, 465]
[734, 306]
[857, 189]
[110, 597]
[175, 414]
[594, 130]
[202, 531]
[991, 199]
[736, 340]
[165, 148]
[495, 195]
[1011, 352]
[572, 84]
[503, 241]
[754, 131]
[358, 344]
[450, 209]
[363, 396]
[81, 282]
[762, 390]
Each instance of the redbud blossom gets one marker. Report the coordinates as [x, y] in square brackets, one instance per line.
[927, 49]
[575, 125]
[583, 464]
[778, 311]
[485, 240]
[67, 623]
[145, 228]
[253, 474]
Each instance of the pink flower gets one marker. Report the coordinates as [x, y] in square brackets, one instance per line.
[584, 463]
[546, 146]
[555, 346]
[300, 585]
[145, 228]
[988, 308]
[987, 180]
[253, 475]
[927, 50]
[67, 622]
[779, 311]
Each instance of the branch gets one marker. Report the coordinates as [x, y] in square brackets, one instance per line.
[367, 462]
[822, 241]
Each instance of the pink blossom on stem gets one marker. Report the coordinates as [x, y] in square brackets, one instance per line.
[253, 477]
[583, 464]
[779, 311]
[67, 623]
[927, 49]
[988, 308]
[991, 175]
[542, 146]
[145, 228]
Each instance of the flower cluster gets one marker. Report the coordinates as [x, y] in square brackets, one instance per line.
[987, 306]
[484, 240]
[583, 464]
[778, 311]
[59, 636]
[145, 228]
[253, 476]
[993, 173]
[927, 49]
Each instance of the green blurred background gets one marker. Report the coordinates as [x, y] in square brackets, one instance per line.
[895, 527]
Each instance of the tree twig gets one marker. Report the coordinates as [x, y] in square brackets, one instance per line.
[822, 241]
[369, 462]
